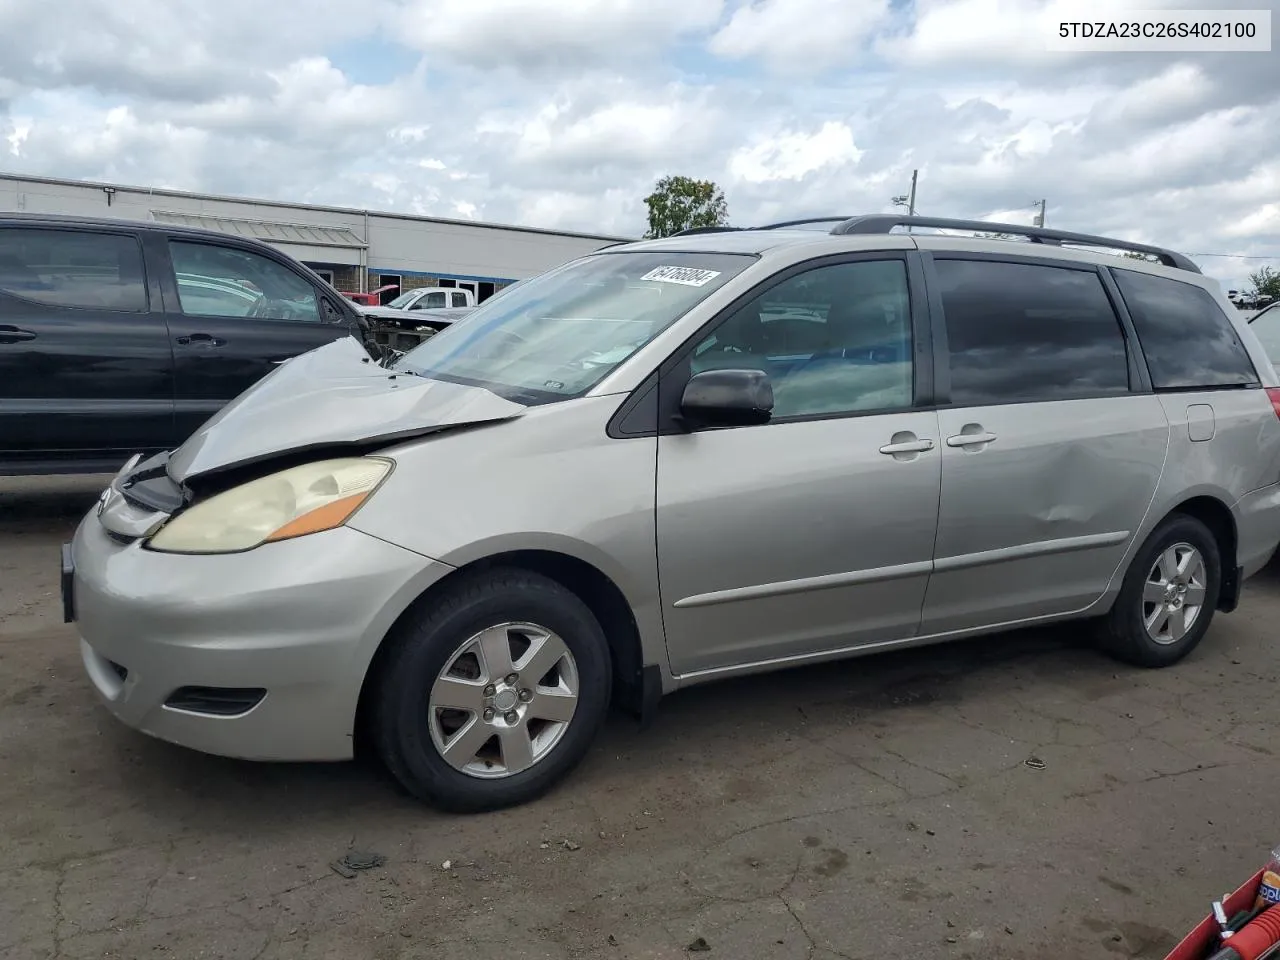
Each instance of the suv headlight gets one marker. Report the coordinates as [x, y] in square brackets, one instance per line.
[292, 503]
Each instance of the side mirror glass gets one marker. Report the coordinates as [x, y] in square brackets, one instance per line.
[728, 398]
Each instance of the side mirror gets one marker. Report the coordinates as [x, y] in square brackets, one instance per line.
[728, 398]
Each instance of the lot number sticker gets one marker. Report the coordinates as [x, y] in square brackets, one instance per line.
[687, 276]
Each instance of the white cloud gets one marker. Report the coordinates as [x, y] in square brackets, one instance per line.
[549, 34]
[803, 34]
[1002, 31]
[792, 156]
[562, 114]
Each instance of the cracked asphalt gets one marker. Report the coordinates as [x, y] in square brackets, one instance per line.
[876, 808]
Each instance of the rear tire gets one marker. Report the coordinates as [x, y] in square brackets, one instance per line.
[1168, 597]
[466, 730]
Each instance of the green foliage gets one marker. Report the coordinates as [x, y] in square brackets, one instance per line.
[1266, 282]
[681, 203]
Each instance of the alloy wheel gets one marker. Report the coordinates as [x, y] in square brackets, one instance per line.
[503, 701]
[1174, 593]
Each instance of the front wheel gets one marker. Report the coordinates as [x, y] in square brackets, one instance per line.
[493, 692]
[1168, 597]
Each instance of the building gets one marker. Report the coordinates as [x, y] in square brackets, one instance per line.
[355, 250]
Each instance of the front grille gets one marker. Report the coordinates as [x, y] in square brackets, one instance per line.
[216, 701]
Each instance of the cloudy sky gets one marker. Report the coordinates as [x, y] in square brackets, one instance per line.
[562, 113]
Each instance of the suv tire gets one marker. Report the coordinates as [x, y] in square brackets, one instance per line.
[1176, 576]
[450, 651]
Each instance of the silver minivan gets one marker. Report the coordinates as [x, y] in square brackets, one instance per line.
[674, 461]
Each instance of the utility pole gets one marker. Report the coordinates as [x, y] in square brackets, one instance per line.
[908, 200]
[1039, 220]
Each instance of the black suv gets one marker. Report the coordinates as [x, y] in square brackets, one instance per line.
[118, 337]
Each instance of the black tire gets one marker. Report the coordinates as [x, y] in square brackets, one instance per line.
[1123, 633]
[399, 715]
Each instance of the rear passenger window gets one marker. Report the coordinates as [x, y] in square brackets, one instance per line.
[69, 268]
[1187, 339]
[459, 298]
[1021, 332]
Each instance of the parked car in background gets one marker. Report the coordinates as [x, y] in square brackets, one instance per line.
[676, 461]
[433, 298]
[118, 337]
[370, 299]
[402, 330]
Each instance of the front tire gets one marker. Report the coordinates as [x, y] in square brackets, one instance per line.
[1169, 595]
[492, 692]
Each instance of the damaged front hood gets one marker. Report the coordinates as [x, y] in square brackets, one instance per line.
[332, 396]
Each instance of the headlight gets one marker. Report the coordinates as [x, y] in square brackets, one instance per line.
[292, 503]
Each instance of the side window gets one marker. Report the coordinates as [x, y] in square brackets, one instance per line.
[432, 301]
[1187, 339]
[1266, 327]
[216, 281]
[1021, 333]
[835, 339]
[68, 268]
[459, 298]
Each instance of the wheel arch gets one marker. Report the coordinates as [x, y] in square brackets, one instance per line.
[1217, 516]
[637, 685]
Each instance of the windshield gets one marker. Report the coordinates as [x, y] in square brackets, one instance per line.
[561, 333]
[1266, 327]
[403, 300]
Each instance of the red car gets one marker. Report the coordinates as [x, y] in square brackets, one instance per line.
[372, 298]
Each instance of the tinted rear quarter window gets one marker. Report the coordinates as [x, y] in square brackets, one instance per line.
[71, 268]
[1188, 341]
[1021, 332]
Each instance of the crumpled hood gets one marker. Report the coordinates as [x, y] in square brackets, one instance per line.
[332, 395]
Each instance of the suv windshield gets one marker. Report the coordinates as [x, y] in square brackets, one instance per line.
[560, 334]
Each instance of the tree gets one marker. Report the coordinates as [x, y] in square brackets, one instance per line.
[1266, 283]
[681, 203]
[1136, 255]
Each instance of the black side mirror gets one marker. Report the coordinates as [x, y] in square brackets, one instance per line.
[728, 398]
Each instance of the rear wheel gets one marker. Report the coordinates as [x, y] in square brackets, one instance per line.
[493, 693]
[1168, 597]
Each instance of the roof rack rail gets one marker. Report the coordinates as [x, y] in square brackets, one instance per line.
[796, 223]
[692, 230]
[885, 222]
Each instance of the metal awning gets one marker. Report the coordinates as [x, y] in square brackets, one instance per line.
[323, 242]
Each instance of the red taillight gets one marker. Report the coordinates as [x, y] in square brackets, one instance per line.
[1273, 394]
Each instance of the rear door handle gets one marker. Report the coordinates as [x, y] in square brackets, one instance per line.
[201, 340]
[970, 439]
[907, 446]
[12, 334]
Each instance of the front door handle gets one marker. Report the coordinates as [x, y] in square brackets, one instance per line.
[12, 334]
[975, 439]
[201, 340]
[907, 446]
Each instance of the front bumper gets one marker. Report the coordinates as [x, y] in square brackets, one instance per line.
[299, 619]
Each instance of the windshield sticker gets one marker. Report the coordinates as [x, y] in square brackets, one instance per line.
[686, 276]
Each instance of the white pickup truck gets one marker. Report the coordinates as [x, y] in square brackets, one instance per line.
[433, 298]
